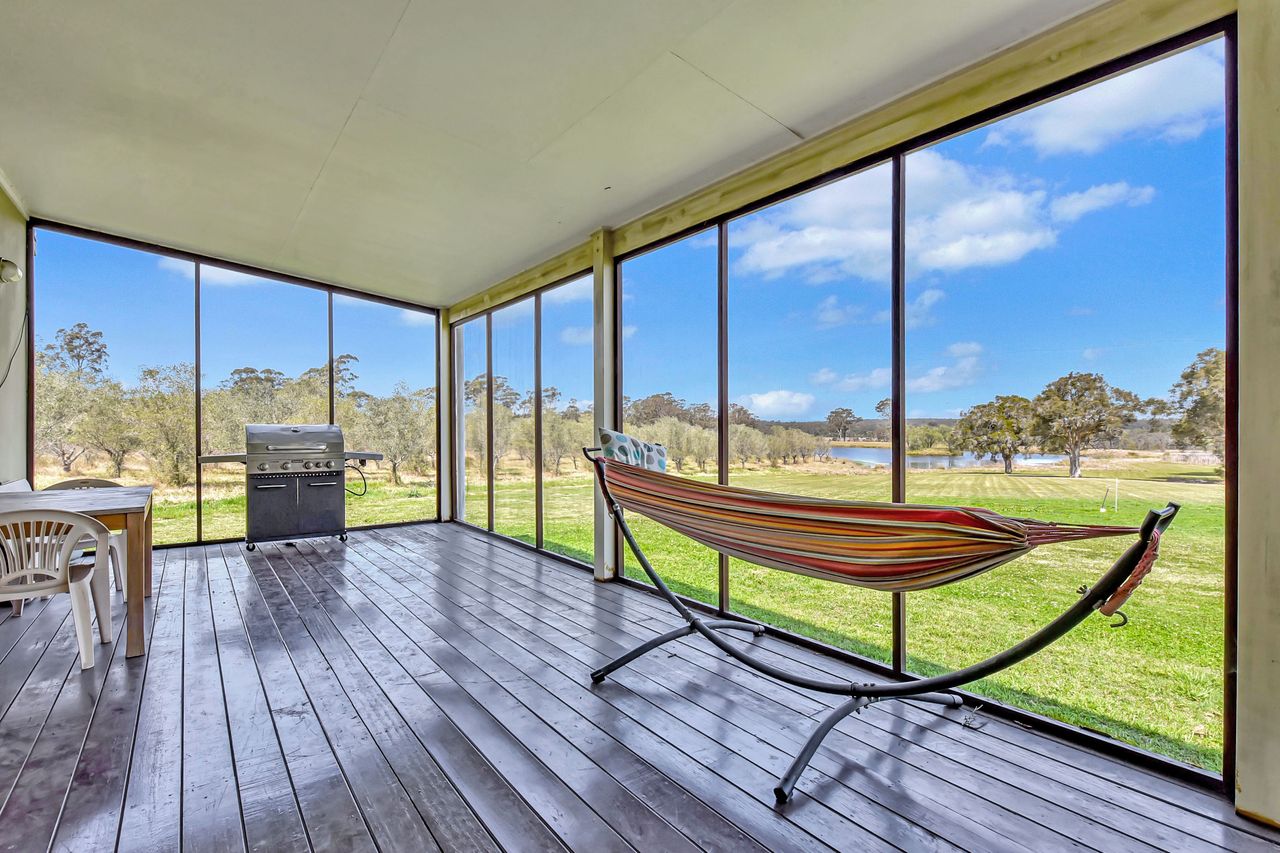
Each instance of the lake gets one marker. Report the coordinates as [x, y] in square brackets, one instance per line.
[883, 456]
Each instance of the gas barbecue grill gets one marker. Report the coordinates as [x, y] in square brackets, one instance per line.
[294, 480]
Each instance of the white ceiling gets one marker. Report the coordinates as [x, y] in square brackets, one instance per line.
[427, 149]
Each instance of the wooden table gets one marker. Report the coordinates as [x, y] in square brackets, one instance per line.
[127, 508]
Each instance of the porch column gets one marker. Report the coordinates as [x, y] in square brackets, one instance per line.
[604, 274]
[445, 416]
[1258, 664]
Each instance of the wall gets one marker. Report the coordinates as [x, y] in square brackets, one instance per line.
[1258, 720]
[13, 302]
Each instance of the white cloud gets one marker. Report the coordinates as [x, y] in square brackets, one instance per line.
[831, 313]
[579, 290]
[584, 336]
[1072, 206]
[209, 274]
[577, 336]
[778, 403]
[964, 349]
[823, 376]
[959, 217]
[919, 310]
[962, 371]
[1093, 353]
[1174, 99]
[416, 318]
[877, 378]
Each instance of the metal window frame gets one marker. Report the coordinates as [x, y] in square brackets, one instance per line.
[198, 261]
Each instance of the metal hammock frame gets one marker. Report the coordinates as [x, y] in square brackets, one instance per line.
[1125, 571]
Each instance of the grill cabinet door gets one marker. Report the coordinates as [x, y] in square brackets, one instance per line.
[322, 503]
[273, 507]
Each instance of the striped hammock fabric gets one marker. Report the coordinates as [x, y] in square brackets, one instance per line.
[891, 547]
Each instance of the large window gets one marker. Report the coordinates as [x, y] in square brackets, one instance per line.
[471, 356]
[536, 415]
[1071, 367]
[384, 382]
[668, 345]
[567, 359]
[121, 333]
[115, 373]
[254, 369]
[809, 354]
[514, 486]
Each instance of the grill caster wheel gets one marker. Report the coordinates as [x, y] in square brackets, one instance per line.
[342, 537]
[251, 547]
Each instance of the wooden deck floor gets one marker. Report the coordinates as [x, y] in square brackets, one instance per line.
[426, 688]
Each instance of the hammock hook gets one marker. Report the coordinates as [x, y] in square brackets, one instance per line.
[1124, 620]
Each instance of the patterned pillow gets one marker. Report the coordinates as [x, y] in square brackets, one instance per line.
[624, 448]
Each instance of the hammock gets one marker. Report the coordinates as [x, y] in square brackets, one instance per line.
[891, 547]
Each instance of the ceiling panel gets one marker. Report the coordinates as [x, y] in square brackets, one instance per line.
[511, 77]
[428, 148]
[813, 64]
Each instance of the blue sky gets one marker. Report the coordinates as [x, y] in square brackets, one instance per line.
[1084, 234]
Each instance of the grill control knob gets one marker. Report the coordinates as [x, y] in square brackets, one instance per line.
[306, 464]
[262, 466]
[328, 463]
[284, 466]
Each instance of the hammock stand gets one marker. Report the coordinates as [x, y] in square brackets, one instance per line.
[1115, 585]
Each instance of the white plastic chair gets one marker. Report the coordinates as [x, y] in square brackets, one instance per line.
[116, 546]
[37, 550]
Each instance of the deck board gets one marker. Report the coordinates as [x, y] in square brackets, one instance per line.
[426, 688]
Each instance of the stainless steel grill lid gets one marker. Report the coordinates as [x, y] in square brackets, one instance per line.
[296, 441]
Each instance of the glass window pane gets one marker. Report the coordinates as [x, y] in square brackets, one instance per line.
[810, 350]
[385, 401]
[669, 388]
[514, 501]
[568, 490]
[264, 355]
[471, 360]
[115, 373]
[1065, 268]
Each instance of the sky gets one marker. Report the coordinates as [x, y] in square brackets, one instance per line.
[1083, 234]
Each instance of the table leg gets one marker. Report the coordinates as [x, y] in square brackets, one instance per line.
[147, 547]
[137, 542]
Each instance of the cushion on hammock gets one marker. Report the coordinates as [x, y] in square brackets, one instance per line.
[621, 447]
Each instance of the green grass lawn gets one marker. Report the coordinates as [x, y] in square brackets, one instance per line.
[1156, 683]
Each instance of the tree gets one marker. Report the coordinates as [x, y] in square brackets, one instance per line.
[164, 400]
[61, 409]
[746, 443]
[1199, 398]
[1000, 429]
[110, 425]
[78, 350]
[649, 409]
[840, 420]
[885, 408]
[1082, 410]
[403, 426]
